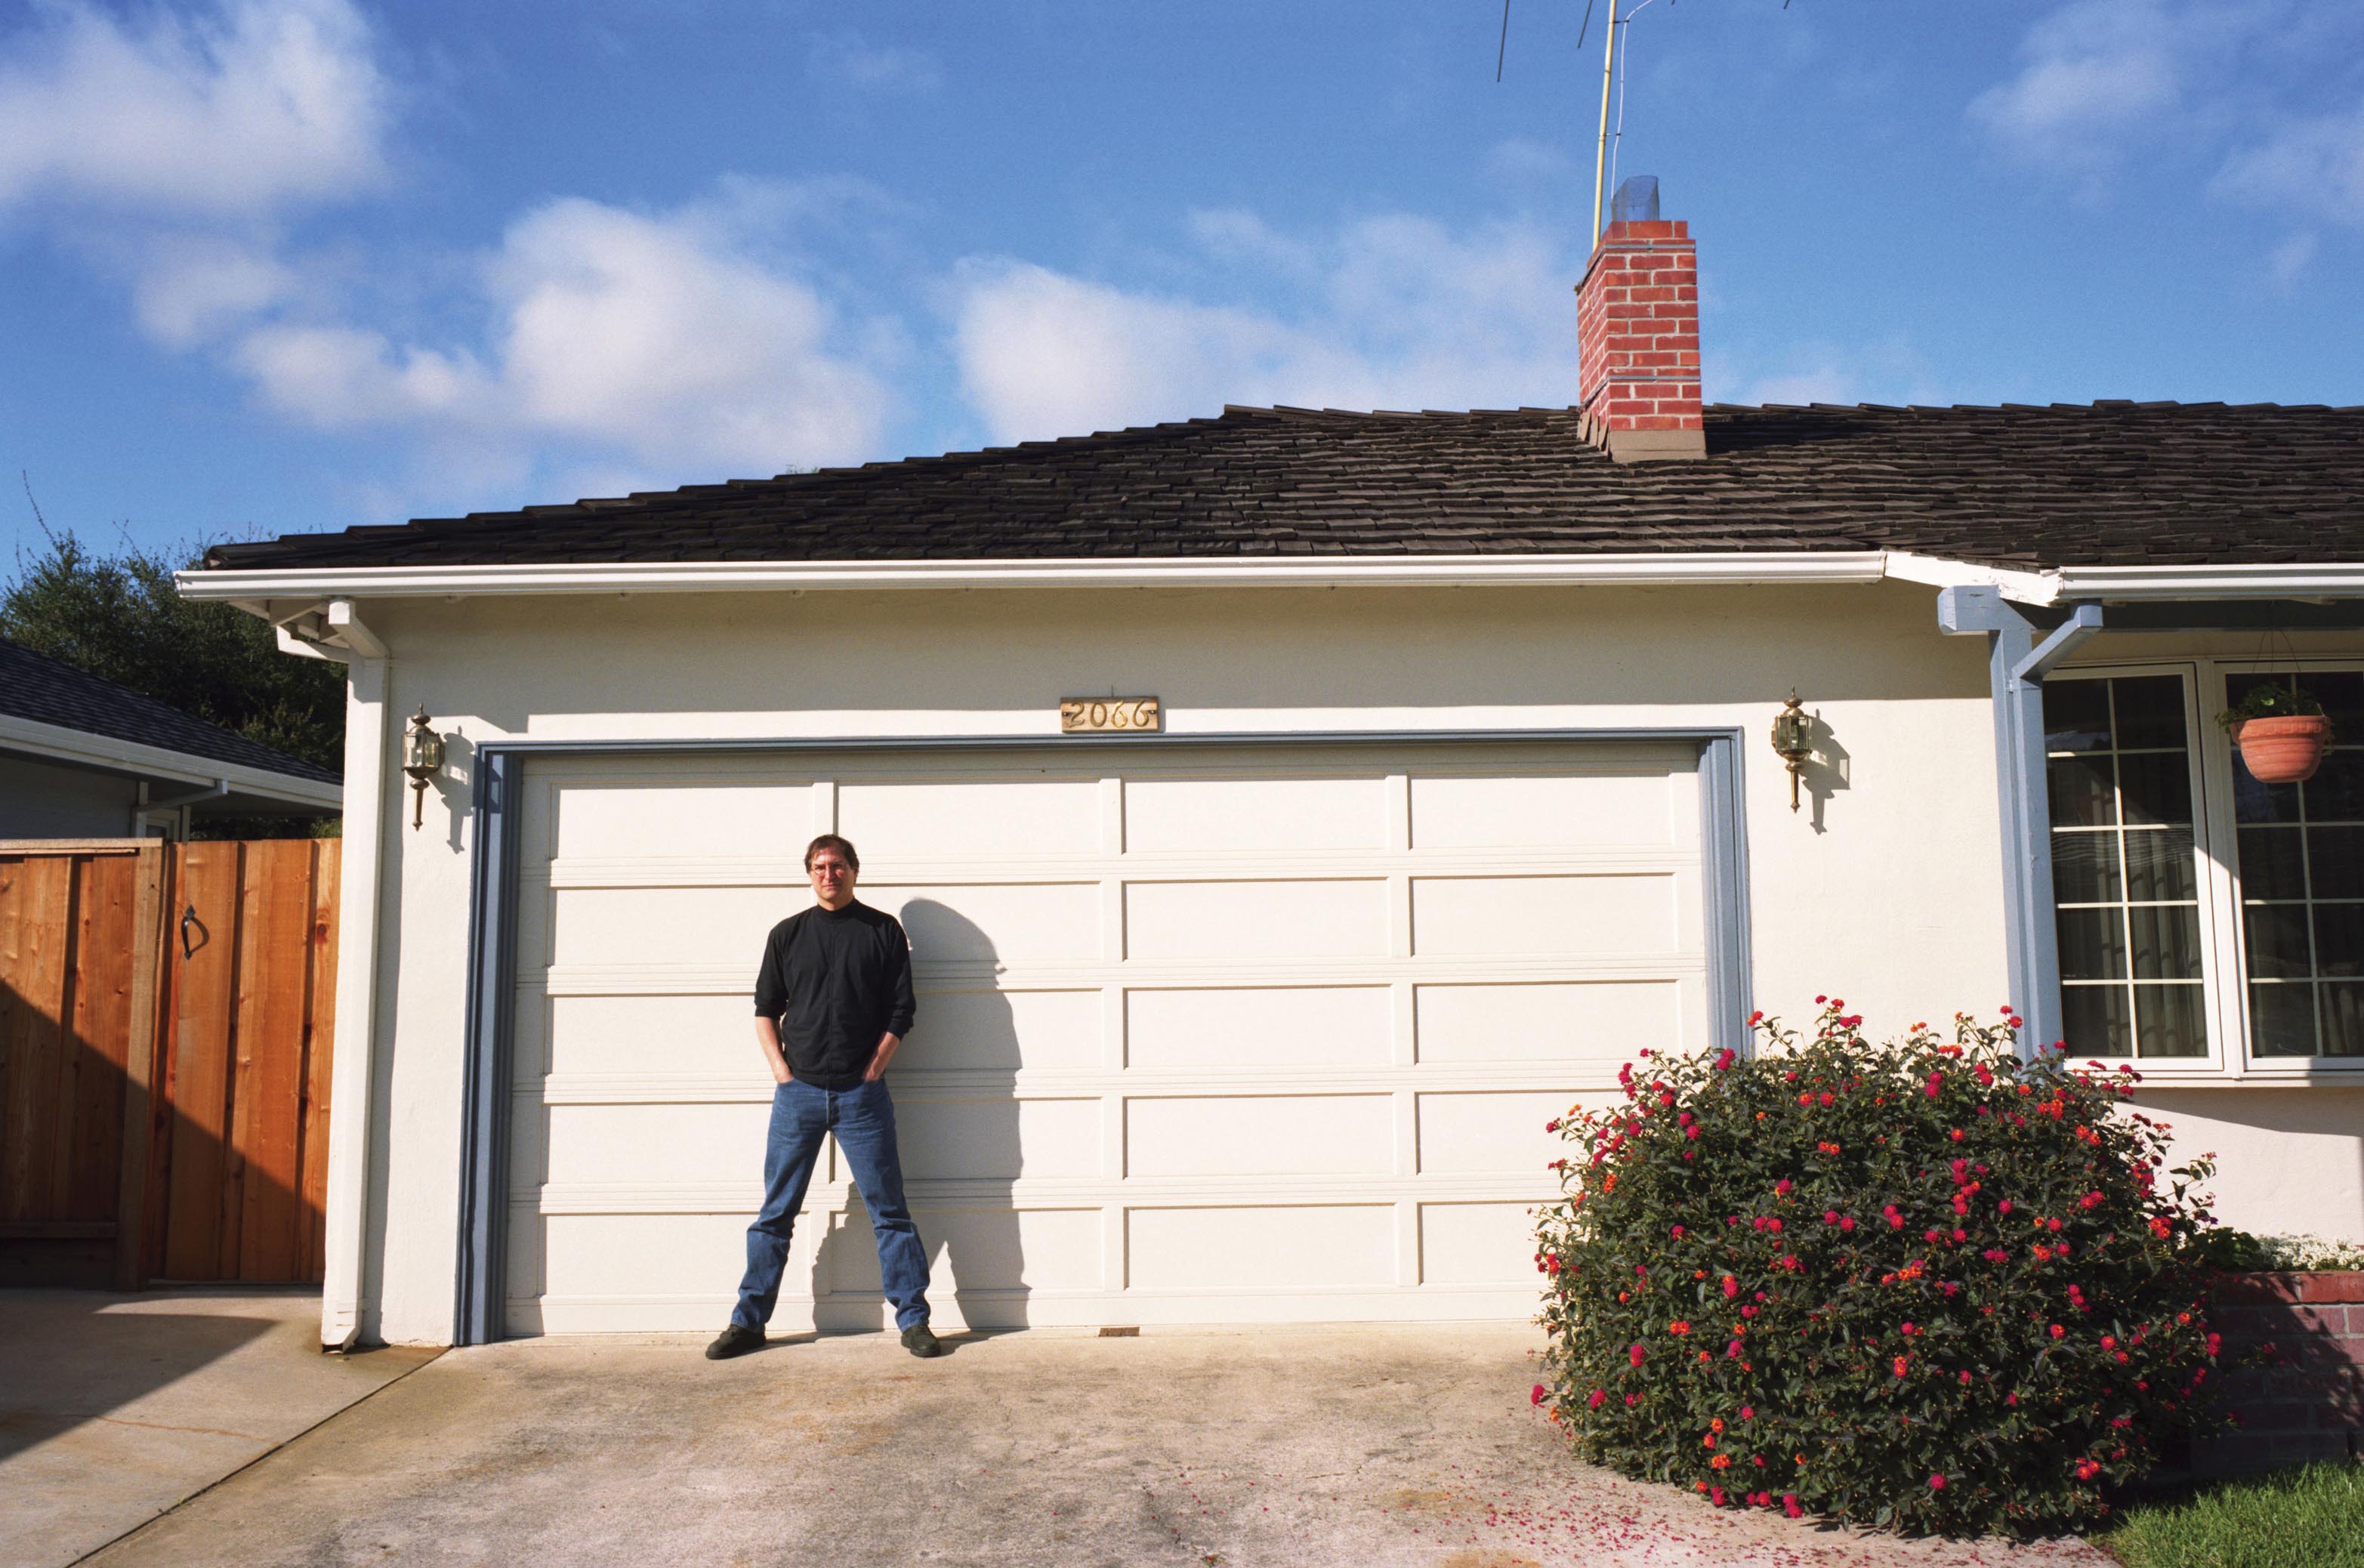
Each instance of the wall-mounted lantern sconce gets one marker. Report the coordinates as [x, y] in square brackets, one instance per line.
[1793, 740]
[422, 759]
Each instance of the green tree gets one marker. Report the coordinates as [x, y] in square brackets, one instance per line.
[119, 616]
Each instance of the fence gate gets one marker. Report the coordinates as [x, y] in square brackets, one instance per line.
[166, 1022]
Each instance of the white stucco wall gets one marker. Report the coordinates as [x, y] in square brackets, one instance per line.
[1886, 887]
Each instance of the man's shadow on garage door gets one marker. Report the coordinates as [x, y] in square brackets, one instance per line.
[955, 1089]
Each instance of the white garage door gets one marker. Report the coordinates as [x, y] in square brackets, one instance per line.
[1257, 1034]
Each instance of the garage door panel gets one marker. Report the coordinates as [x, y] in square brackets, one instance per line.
[1499, 916]
[1039, 1031]
[1238, 815]
[688, 926]
[667, 817]
[1020, 923]
[611, 1255]
[1342, 1027]
[1260, 1135]
[656, 1145]
[1272, 1248]
[971, 818]
[710, 1037]
[1542, 810]
[1467, 1133]
[1477, 1243]
[1589, 1026]
[978, 1248]
[1166, 921]
[997, 1136]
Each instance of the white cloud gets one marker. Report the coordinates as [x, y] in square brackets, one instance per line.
[237, 111]
[668, 340]
[2313, 165]
[2095, 72]
[2288, 261]
[1393, 312]
[1888, 369]
[1519, 160]
[877, 68]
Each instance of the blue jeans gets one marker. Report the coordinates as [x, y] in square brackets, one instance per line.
[863, 1118]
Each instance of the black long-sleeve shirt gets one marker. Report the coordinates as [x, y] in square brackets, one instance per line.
[834, 980]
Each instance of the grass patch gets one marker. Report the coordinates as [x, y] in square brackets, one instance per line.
[2312, 1518]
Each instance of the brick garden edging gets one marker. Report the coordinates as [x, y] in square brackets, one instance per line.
[2297, 1385]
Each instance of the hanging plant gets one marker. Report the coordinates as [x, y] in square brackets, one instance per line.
[2280, 732]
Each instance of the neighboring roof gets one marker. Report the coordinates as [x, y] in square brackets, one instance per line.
[2105, 484]
[36, 686]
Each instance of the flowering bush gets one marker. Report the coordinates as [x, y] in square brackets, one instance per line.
[1922, 1284]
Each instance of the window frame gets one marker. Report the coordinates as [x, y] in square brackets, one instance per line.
[2224, 937]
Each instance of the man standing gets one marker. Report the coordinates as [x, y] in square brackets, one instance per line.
[832, 1004]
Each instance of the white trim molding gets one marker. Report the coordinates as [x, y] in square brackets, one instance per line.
[314, 605]
[295, 593]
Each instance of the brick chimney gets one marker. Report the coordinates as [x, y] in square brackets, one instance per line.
[1637, 339]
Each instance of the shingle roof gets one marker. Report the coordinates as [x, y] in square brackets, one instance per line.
[2105, 484]
[36, 686]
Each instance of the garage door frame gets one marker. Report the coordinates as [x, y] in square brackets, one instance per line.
[497, 805]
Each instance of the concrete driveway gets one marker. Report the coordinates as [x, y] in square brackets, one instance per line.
[112, 1408]
[1362, 1446]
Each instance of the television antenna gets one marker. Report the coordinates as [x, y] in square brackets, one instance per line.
[1612, 76]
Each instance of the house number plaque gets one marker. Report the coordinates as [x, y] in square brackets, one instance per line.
[1089, 715]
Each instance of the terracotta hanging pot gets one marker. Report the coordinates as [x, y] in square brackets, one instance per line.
[2282, 751]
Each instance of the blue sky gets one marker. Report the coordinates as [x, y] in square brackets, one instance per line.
[277, 265]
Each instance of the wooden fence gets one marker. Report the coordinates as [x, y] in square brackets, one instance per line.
[166, 1027]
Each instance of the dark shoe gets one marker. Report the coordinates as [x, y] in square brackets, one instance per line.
[920, 1341]
[735, 1341]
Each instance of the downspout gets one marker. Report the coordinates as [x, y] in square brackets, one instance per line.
[2017, 662]
[339, 634]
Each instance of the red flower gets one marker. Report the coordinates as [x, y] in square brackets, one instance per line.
[1679, 1327]
[1537, 1397]
[1600, 1397]
[1790, 1506]
[1746, 1414]
[1899, 1364]
[1936, 1482]
[1731, 1288]
[2058, 1331]
[1634, 1355]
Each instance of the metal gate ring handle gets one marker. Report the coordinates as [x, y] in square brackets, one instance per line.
[188, 918]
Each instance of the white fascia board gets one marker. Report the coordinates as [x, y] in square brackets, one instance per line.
[2335, 580]
[2021, 587]
[55, 741]
[2330, 579]
[1656, 569]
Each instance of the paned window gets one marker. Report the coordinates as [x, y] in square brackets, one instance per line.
[2125, 880]
[2302, 884]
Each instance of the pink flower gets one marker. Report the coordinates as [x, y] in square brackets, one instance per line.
[1936, 1482]
[1635, 1355]
[1600, 1397]
[1731, 1288]
[1790, 1506]
[1537, 1397]
[1782, 1185]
